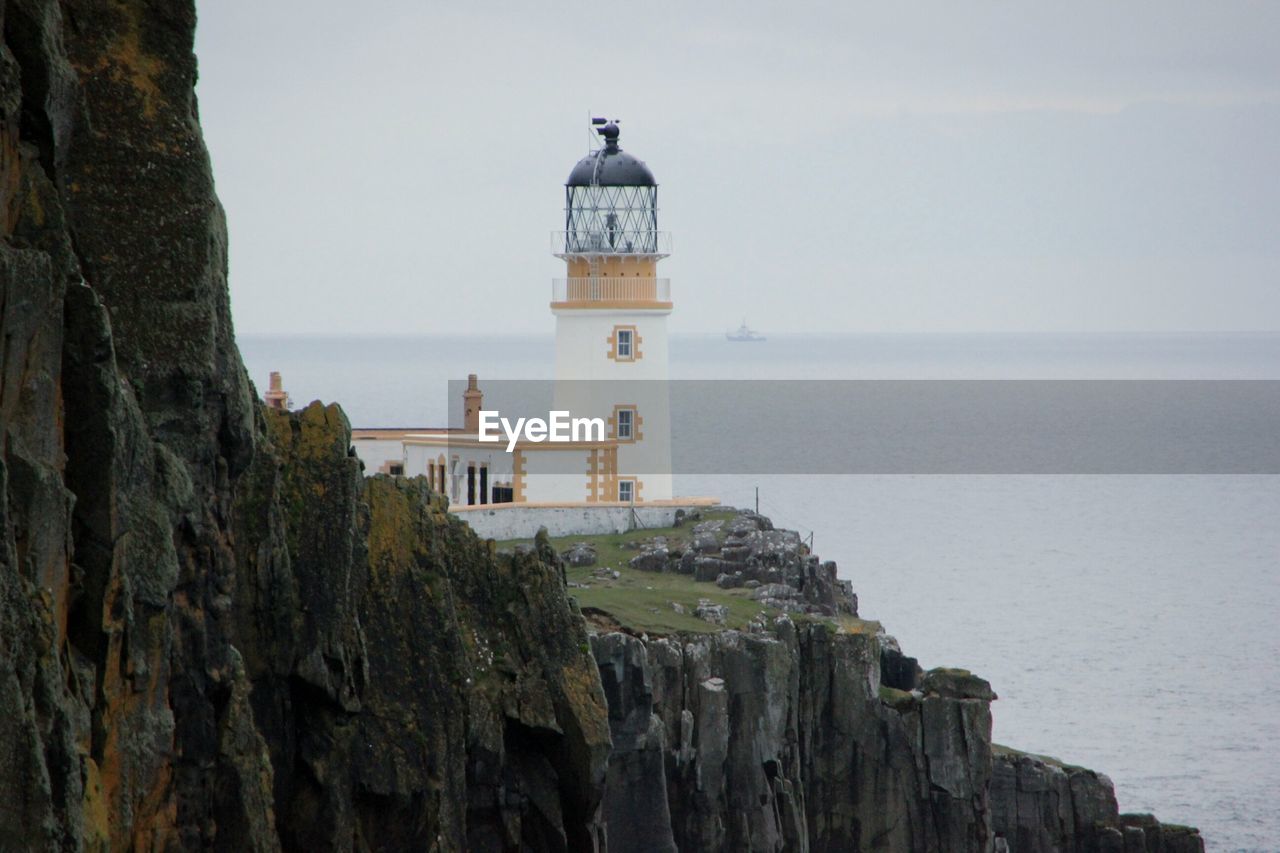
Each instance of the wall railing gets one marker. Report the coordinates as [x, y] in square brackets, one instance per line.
[638, 289]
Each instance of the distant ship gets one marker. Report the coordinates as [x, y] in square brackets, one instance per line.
[744, 334]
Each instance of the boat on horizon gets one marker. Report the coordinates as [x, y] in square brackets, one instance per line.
[744, 334]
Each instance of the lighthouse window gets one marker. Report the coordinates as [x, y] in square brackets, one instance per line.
[626, 425]
[624, 344]
[626, 490]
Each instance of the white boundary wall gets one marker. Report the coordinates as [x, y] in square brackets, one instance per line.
[516, 521]
[375, 452]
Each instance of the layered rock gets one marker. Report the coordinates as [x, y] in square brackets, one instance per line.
[1040, 805]
[781, 741]
[214, 632]
[410, 684]
[790, 740]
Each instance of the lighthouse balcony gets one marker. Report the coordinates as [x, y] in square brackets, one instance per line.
[611, 292]
[643, 243]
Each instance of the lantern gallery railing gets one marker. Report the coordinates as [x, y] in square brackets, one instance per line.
[655, 244]
[611, 290]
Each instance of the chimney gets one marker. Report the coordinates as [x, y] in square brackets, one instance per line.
[472, 402]
[276, 397]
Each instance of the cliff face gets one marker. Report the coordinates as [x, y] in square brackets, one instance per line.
[793, 740]
[412, 689]
[773, 742]
[1040, 805]
[216, 634]
[213, 631]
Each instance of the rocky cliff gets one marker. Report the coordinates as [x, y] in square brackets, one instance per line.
[790, 738]
[215, 633]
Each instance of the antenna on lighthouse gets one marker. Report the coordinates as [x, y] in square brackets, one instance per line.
[601, 128]
[593, 123]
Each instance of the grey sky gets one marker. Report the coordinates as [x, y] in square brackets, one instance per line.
[398, 166]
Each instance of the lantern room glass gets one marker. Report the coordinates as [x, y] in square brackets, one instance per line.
[611, 220]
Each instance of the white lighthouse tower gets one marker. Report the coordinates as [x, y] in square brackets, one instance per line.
[611, 317]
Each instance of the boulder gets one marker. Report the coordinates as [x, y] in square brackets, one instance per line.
[781, 596]
[774, 590]
[710, 568]
[747, 522]
[705, 542]
[729, 581]
[777, 548]
[708, 528]
[652, 560]
[581, 554]
[716, 614]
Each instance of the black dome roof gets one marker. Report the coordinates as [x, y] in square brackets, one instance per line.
[611, 166]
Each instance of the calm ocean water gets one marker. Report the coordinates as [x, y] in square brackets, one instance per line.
[1128, 623]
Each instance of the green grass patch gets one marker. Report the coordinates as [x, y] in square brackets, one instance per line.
[642, 601]
[1009, 752]
[611, 548]
[853, 625]
[900, 700]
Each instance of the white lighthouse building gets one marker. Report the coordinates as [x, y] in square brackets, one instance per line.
[611, 314]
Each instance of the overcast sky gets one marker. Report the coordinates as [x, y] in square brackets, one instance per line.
[398, 166]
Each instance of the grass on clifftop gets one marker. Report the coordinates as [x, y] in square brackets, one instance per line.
[642, 601]
[1009, 752]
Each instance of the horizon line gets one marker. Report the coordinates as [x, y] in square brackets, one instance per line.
[790, 333]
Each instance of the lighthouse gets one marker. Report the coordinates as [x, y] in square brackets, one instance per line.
[611, 312]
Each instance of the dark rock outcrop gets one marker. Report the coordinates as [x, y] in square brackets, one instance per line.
[652, 559]
[781, 741]
[411, 684]
[581, 554]
[1040, 805]
[789, 740]
[730, 581]
[214, 632]
[747, 549]
[896, 669]
[635, 795]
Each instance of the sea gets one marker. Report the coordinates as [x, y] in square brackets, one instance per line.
[1129, 623]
